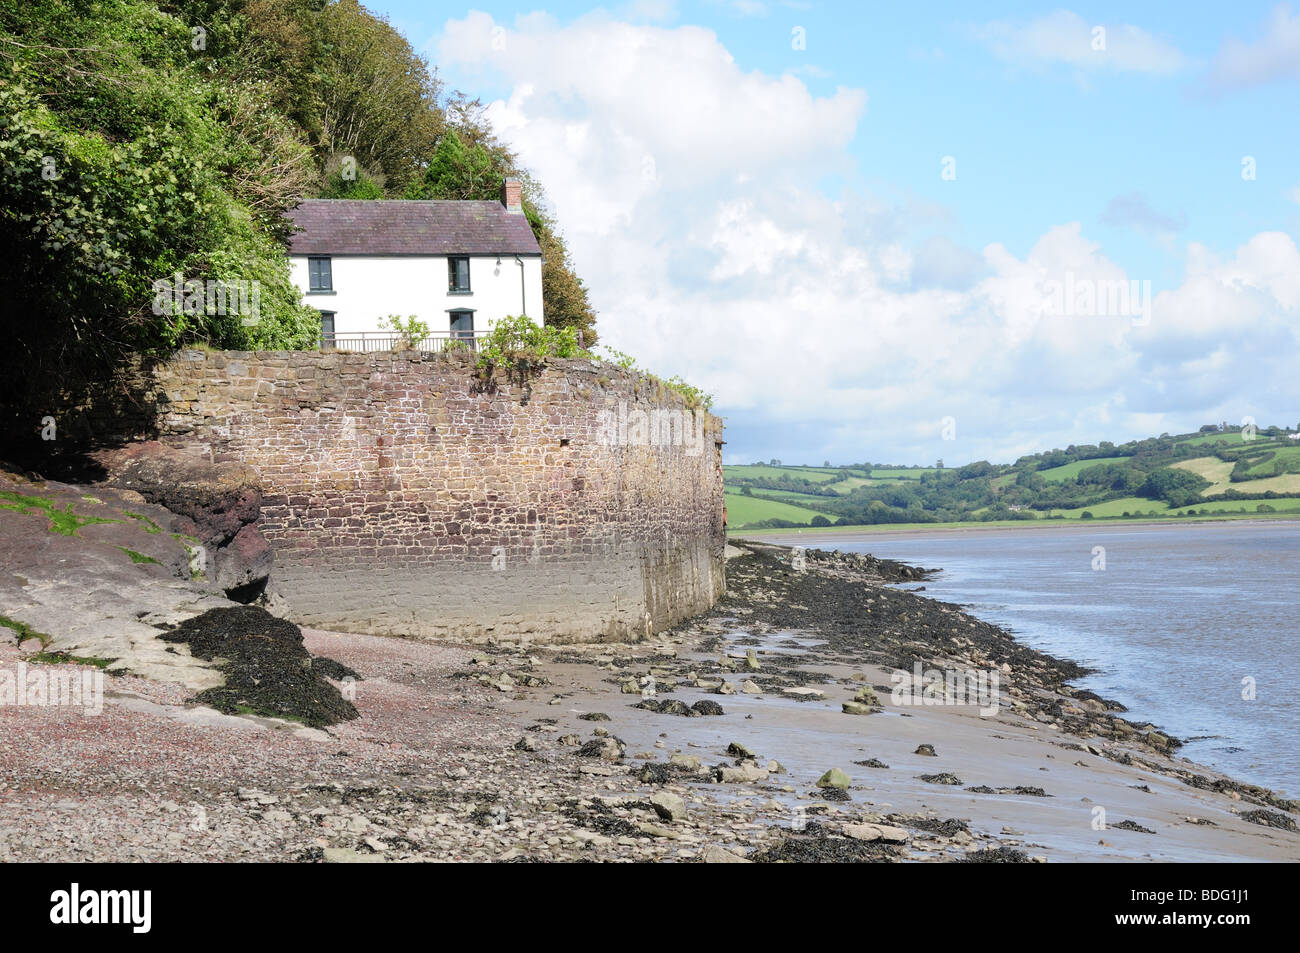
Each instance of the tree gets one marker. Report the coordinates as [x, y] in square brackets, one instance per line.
[460, 171]
[371, 96]
[346, 180]
[1176, 486]
[128, 161]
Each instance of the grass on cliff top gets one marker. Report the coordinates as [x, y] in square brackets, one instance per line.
[62, 521]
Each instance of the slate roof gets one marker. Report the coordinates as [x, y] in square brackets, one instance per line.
[407, 227]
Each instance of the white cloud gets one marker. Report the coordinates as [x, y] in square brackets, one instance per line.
[1275, 56]
[1064, 37]
[846, 326]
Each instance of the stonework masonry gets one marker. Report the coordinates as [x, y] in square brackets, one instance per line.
[405, 494]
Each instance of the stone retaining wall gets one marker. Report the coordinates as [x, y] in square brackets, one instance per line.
[404, 494]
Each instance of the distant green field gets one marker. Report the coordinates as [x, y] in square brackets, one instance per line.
[1287, 483]
[1131, 504]
[900, 473]
[1071, 470]
[1283, 455]
[1236, 506]
[794, 496]
[1230, 439]
[1212, 469]
[1142, 507]
[853, 482]
[744, 510]
[765, 472]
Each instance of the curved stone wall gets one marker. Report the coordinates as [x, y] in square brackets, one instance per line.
[405, 494]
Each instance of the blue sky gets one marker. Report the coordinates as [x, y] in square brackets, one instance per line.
[774, 223]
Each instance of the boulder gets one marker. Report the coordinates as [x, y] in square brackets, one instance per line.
[713, 854]
[876, 832]
[220, 501]
[668, 806]
[867, 696]
[834, 778]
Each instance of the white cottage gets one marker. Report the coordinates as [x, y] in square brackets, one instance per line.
[458, 266]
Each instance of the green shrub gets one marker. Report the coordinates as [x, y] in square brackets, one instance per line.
[410, 331]
[515, 340]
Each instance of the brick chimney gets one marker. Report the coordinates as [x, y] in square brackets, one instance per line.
[512, 195]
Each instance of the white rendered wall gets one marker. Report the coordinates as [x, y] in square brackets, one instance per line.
[367, 289]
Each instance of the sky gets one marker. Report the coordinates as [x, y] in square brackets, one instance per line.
[897, 233]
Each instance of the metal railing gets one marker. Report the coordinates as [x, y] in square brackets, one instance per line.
[387, 341]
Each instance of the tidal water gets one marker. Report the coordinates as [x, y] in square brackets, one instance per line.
[1176, 619]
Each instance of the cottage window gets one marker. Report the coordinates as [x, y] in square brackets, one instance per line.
[320, 274]
[458, 276]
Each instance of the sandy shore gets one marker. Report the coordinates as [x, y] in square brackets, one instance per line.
[543, 753]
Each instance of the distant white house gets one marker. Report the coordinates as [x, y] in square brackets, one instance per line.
[459, 266]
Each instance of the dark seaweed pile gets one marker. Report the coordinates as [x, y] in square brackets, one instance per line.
[817, 845]
[874, 623]
[994, 855]
[1270, 819]
[268, 670]
[1132, 826]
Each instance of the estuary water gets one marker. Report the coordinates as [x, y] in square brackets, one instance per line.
[1180, 621]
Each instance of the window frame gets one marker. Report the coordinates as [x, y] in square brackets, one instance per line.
[453, 275]
[314, 274]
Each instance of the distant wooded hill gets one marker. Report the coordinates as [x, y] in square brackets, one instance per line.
[1218, 470]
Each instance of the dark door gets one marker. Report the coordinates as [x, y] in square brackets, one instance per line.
[462, 325]
[327, 329]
